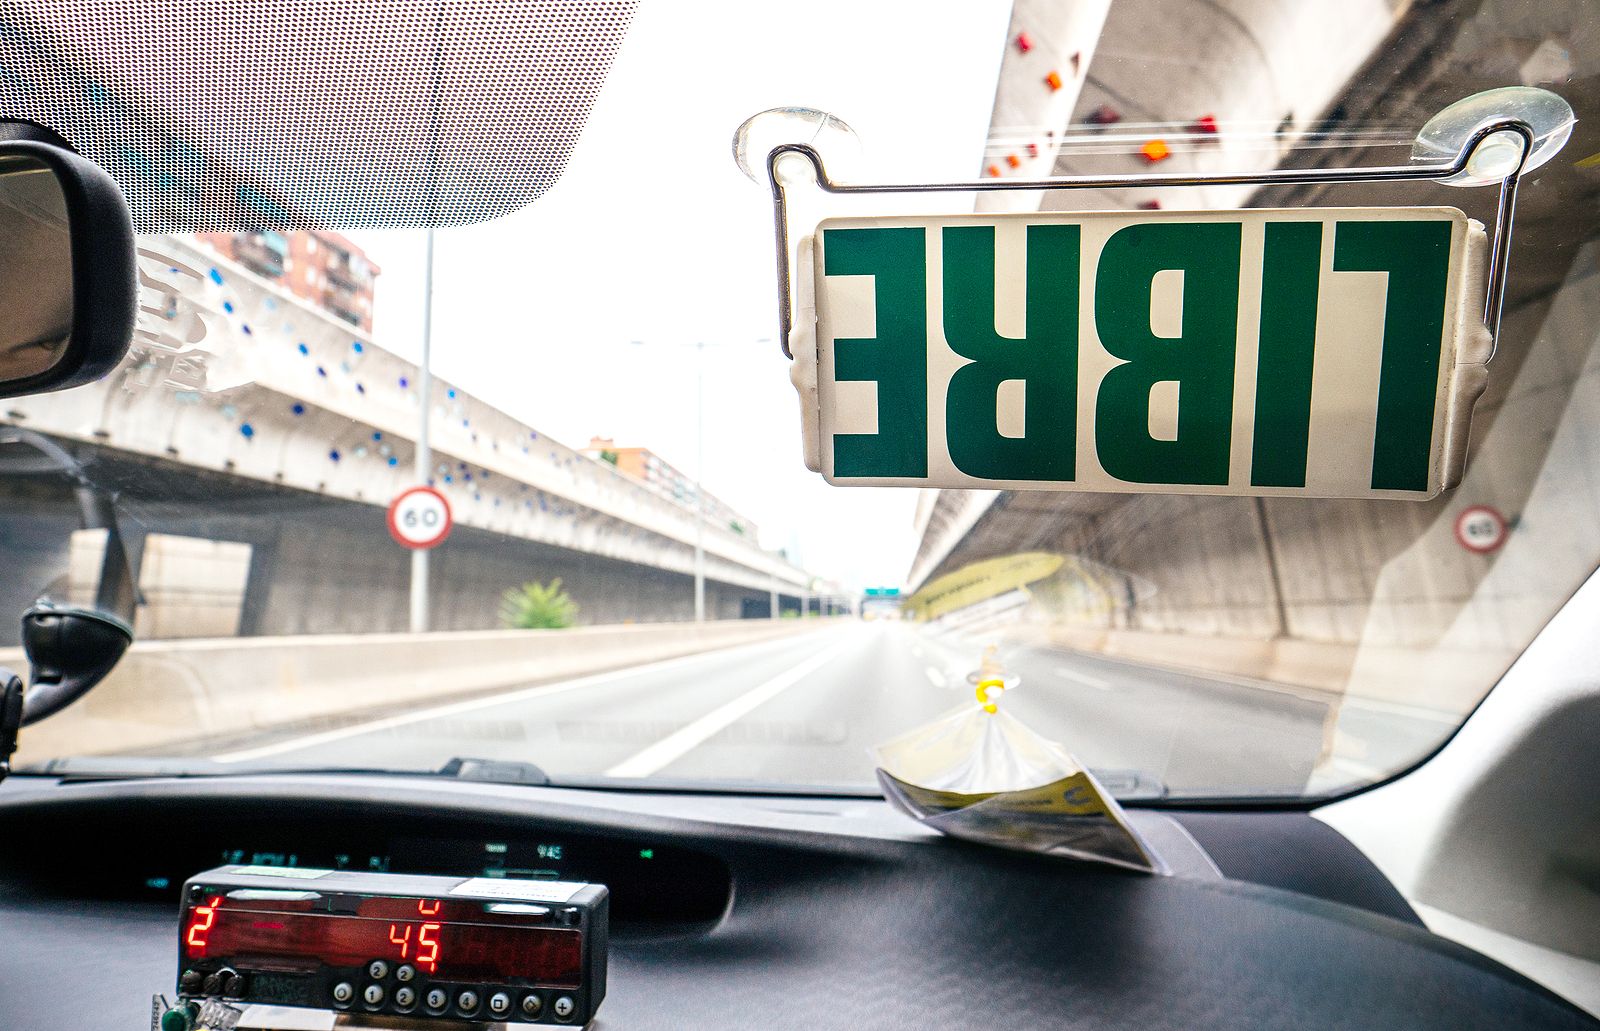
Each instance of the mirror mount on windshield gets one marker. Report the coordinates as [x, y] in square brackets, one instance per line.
[68, 278]
[70, 650]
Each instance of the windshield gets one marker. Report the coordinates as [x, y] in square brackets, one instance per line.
[628, 571]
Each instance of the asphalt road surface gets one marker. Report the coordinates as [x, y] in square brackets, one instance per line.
[806, 709]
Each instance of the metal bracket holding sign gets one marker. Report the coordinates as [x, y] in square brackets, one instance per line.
[837, 299]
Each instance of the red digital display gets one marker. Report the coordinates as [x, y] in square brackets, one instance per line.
[453, 941]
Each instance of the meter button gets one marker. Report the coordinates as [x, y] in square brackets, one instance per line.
[373, 995]
[405, 998]
[190, 982]
[235, 986]
[344, 991]
[532, 1003]
[405, 972]
[467, 1001]
[377, 970]
[564, 1007]
[437, 998]
[213, 984]
[499, 1004]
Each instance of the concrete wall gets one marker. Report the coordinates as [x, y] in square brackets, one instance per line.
[321, 565]
[181, 694]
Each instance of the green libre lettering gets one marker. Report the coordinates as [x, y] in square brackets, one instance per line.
[1416, 257]
[1045, 359]
[1199, 359]
[1290, 276]
[896, 359]
[1199, 356]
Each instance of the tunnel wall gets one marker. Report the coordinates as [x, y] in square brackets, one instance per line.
[1384, 573]
[1372, 598]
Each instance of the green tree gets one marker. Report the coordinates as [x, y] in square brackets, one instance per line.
[535, 606]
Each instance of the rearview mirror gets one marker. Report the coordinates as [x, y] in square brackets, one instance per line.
[68, 282]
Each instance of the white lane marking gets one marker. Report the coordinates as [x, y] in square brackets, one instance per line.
[938, 677]
[1082, 678]
[1413, 712]
[526, 694]
[679, 743]
[1358, 769]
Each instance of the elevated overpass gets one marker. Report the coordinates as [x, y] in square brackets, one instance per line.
[244, 416]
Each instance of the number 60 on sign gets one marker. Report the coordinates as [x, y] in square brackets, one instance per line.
[419, 518]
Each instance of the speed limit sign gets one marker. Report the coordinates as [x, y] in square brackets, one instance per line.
[1481, 529]
[419, 518]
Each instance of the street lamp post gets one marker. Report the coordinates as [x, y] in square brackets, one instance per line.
[699, 481]
[424, 456]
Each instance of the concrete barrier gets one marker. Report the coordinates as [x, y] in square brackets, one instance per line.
[1448, 681]
[167, 692]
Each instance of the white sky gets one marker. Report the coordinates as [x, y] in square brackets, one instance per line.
[654, 235]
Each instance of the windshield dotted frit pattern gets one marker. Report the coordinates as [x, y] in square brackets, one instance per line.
[285, 114]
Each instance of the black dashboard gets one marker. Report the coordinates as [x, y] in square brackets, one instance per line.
[766, 912]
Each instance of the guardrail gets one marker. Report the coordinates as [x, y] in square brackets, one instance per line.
[167, 692]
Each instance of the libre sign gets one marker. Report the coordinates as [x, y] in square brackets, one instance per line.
[1313, 352]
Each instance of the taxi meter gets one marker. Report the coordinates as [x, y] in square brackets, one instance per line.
[402, 946]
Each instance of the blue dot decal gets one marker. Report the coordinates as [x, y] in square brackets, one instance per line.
[304, 349]
[298, 409]
[333, 456]
[216, 277]
[246, 430]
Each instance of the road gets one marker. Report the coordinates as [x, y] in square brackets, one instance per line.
[806, 709]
